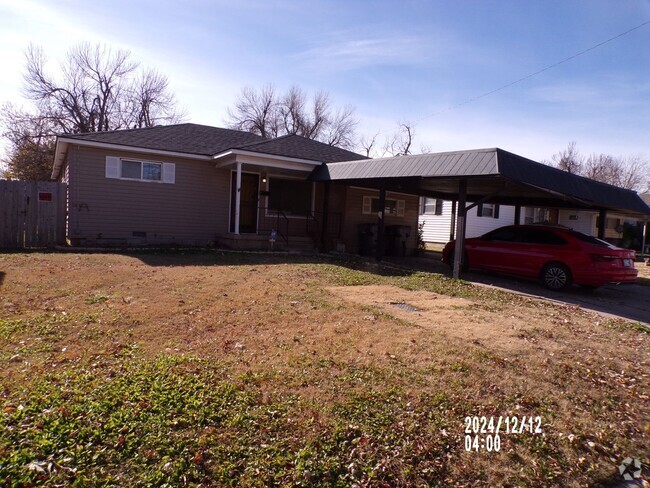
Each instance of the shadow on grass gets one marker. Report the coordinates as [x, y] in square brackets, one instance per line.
[2, 278]
[235, 258]
[226, 257]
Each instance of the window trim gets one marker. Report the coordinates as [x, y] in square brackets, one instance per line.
[141, 163]
[400, 206]
[438, 206]
[495, 210]
[113, 170]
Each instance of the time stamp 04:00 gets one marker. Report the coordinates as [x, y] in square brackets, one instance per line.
[484, 433]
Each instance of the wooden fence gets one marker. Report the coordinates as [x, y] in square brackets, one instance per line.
[32, 214]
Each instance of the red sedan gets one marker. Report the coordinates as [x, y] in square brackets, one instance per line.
[558, 256]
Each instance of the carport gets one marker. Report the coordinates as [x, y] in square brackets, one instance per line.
[480, 176]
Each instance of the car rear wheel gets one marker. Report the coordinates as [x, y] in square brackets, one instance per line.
[556, 276]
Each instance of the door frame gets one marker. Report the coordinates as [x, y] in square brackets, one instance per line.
[231, 222]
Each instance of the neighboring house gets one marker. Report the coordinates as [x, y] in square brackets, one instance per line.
[436, 220]
[190, 184]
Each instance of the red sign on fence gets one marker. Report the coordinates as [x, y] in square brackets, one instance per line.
[44, 196]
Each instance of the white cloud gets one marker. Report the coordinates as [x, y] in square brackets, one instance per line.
[363, 52]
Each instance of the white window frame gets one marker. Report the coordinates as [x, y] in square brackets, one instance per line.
[114, 170]
[141, 163]
[367, 204]
[432, 206]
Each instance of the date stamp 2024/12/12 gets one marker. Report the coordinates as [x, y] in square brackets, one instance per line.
[484, 433]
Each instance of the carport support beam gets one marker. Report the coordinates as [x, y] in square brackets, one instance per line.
[517, 214]
[460, 228]
[379, 251]
[602, 221]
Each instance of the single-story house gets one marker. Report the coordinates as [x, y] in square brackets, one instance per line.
[190, 184]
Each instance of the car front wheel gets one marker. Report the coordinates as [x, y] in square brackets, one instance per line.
[556, 276]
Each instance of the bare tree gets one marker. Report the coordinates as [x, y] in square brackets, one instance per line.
[269, 114]
[369, 144]
[94, 89]
[632, 172]
[399, 144]
[30, 145]
[569, 159]
[98, 89]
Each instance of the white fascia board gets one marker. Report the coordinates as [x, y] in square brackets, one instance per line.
[120, 147]
[60, 151]
[240, 152]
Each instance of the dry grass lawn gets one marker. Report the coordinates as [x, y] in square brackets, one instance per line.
[219, 369]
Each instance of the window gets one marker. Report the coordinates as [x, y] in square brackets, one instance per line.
[293, 197]
[139, 170]
[392, 207]
[535, 215]
[132, 169]
[488, 210]
[432, 206]
[506, 234]
[541, 236]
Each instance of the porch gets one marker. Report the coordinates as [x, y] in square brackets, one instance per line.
[273, 204]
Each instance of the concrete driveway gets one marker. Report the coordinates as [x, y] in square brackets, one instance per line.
[631, 302]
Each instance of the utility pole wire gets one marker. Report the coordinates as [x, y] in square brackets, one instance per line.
[535, 73]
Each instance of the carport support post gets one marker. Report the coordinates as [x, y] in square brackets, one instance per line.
[517, 214]
[453, 220]
[460, 228]
[602, 220]
[379, 251]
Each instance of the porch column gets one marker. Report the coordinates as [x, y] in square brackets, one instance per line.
[453, 220]
[237, 198]
[517, 214]
[602, 220]
[380, 225]
[460, 228]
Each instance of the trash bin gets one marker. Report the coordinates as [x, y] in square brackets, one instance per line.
[396, 237]
[367, 239]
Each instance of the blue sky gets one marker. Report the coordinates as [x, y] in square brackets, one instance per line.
[392, 60]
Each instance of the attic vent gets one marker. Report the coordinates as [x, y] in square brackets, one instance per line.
[406, 306]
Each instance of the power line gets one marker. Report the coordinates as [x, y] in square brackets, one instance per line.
[508, 85]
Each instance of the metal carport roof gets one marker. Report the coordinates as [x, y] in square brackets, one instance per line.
[503, 176]
[481, 175]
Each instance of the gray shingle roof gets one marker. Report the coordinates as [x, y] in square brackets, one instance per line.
[209, 141]
[295, 146]
[183, 138]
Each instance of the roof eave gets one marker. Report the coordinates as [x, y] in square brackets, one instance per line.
[124, 147]
[240, 152]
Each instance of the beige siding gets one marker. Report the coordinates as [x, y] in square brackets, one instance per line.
[106, 211]
[353, 216]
